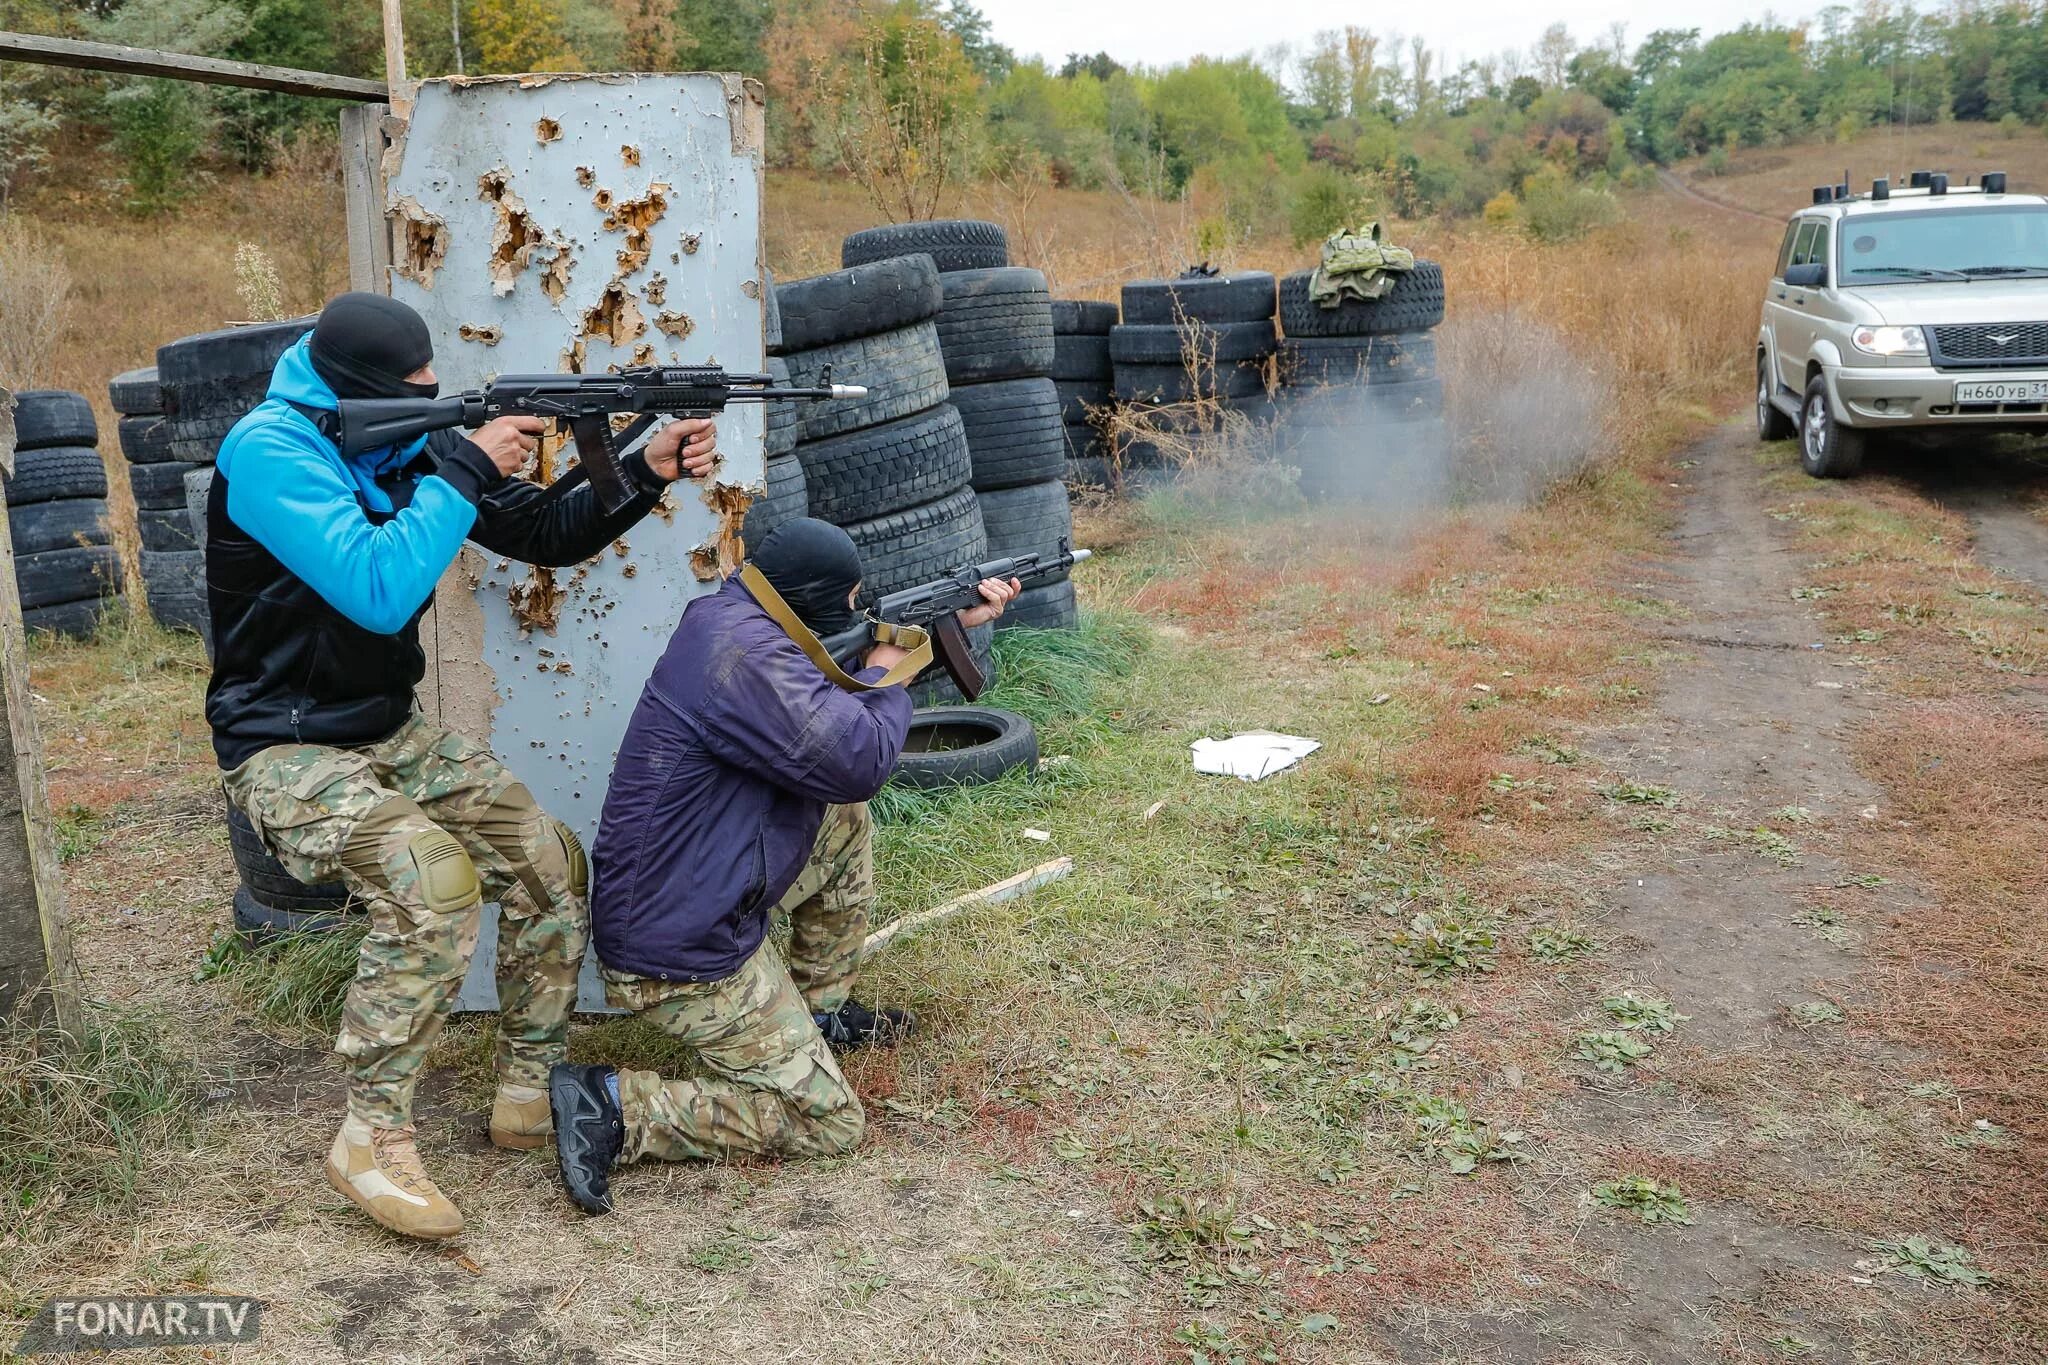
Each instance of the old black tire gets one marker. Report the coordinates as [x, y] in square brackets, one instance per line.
[1083, 318]
[996, 324]
[59, 524]
[1050, 607]
[1013, 431]
[1417, 400]
[878, 470]
[1081, 400]
[952, 243]
[965, 746]
[211, 381]
[1771, 424]
[72, 620]
[165, 529]
[771, 314]
[135, 391]
[847, 304]
[1827, 449]
[67, 575]
[1414, 304]
[146, 439]
[198, 488]
[1240, 296]
[260, 923]
[159, 487]
[175, 582]
[265, 877]
[784, 498]
[1211, 342]
[779, 421]
[1080, 358]
[56, 472]
[1033, 519]
[1173, 384]
[48, 418]
[902, 371]
[1391, 359]
[918, 544]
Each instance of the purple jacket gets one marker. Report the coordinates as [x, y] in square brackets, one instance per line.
[736, 748]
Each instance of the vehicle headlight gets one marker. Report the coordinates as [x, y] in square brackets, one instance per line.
[1890, 340]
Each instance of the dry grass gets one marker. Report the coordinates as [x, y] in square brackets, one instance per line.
[1778, 180]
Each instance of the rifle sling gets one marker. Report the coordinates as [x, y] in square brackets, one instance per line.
[912, 638]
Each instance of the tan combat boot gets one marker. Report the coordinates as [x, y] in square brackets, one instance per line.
[521, 1118]
[379, 1168]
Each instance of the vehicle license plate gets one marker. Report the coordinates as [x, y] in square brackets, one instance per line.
[2003, 391]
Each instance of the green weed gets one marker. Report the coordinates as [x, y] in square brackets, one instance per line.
[1812, 1013]
[1435, 945]
[1923, 1258]
[1639, 794]
[296, 981]
[1559, 945]
[1644, 1197]
[1645, 1012]
[1610, 1050]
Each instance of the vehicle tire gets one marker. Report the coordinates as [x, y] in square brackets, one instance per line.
[63, 523]
[771, 314]
[1084, 443]
[1080, 399]
[1771, 424]
[1173, 384]
[878, 470]
[1217, 343]
[1418, 400]
[73, 620]
[965, 746]
[1033, 519]
[175, 582]
[997, 324]
[211, 381]
[1013, 431]
[1389, 359]
[260, 923]
[146, 439]
[848, 304]
[1414, 304]
[134, 392]
[198, 488]
[1240, 296]
[166, 529]
[778, 422]
[902, 371]
[159, 487]
[1827, 449]
[266, 880]
[56, 472]
[1083, 318]
[1050, 607]
[952, 243]
[45, 419]
[784, 498]
[919, 544]
[1080, 358]
[72, 574]
[1093, 472]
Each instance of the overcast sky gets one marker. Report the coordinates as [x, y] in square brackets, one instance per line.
[1158, 31]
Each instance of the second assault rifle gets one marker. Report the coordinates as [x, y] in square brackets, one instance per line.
[586, 402]
[935, 606]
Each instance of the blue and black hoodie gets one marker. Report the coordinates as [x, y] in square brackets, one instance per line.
[318, 566]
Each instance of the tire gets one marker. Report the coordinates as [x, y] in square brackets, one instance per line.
[1091, 472]
[1389, 359]
[849, 304]
[1827, 449]
[902, 371]
[175, 581]
[1050, 607]
[160, 487]
[965, 746]
[771, 314]
[265, 879]
[1414, 304]
[1173, 384]
[73, 574]
[212, 380]
[73, 620]
[784, 498]
[63, 523]
[878, 470]
[919, 544]
[1080, 357]
[56, 472]
[1084, 443]
[45, 419]
[1241, 296]
[1013, 431]
[1079, 397]
[1420, 400]
[134, 392]
[1216, 343]
[997, 324]
[1771, 424]
[952, 243]
[262, 923]
[1034, 519]
[146, 440]
[779, 422]
[198, 488]
[166, 529]
[1083, 318]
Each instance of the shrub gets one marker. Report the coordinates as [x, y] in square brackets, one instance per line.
[1503, 210]
[1323, 202]
[1556, 209]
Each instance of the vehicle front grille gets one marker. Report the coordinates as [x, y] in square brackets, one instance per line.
[1986, 344]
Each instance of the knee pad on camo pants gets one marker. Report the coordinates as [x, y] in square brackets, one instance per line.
[572, 853]
[447, 877]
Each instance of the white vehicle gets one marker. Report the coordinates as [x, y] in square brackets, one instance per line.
[1923, 307]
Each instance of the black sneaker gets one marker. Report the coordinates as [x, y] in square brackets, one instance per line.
[589, 1131]
[855, 1025]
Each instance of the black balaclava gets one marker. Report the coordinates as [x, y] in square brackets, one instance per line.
[815, 567]
[364, 345]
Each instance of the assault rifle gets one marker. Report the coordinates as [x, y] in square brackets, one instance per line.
[586, 402]
[935, 606]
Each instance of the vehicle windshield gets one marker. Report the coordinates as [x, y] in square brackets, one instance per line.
[1946, 244]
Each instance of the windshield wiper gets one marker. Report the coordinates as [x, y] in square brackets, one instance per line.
[2028, 271]
[1918, 272]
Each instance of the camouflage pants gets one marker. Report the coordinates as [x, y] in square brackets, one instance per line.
[423, 827]
[774, 1088]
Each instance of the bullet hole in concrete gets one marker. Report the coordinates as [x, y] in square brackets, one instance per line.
[677, 325]
[483, 336]
[547, 130]
[422, 245]
[615, 317]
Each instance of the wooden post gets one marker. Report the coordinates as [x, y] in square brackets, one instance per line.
[362, 182]
[35, 938]
[394, 58]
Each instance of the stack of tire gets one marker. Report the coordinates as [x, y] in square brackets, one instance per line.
[156, 476]
[64, 563]
[783, 496]
[1081, 368]
[208, 383]
[1364, 365]
[891, 468]
[996, 335]
[1189, 349]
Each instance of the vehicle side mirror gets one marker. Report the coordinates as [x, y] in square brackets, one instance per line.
[1812, 276]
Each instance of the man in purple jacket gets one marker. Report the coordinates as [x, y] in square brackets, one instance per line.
[740, 791]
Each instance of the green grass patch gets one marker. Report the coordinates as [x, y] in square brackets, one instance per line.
[295, 981]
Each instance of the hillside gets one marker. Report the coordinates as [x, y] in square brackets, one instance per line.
[1776, 180]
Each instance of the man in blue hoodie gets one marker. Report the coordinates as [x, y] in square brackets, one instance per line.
[318, 567]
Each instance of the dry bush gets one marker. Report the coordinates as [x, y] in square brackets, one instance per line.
[35, 304]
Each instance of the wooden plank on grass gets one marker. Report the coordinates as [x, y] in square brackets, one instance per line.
[1008, 889]
[181, 66]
